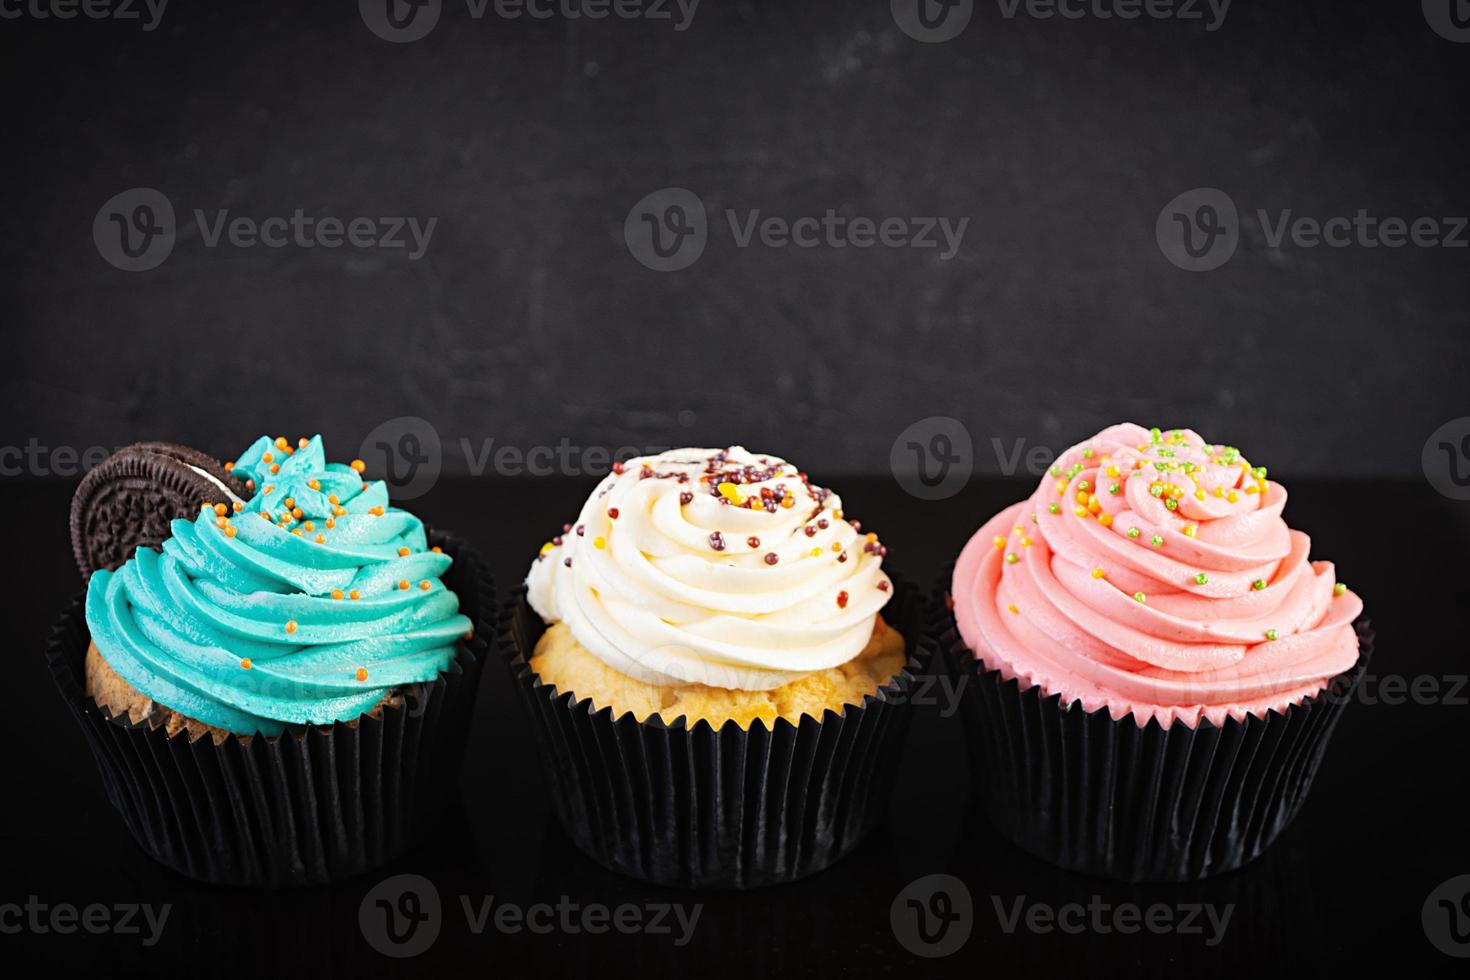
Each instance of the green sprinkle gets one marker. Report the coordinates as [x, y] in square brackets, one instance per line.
[1272, 635]
[1115, 488]
[1012, 557]
[1073, 470]
[1339, 588]
[1156, 541]
[1134, 532]
[1033, 516]
[1189, 467]
[1258, 584]
[1168, 453]
[1139, 596]
[1083, 485]
[1087, 454]
[1155, 434]
[1055, 471]
[1053, 508]
[1157, 489]
[1171, 504]
[1201, 579]
[1259, 472]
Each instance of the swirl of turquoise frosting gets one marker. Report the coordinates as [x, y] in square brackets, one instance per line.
[248, 622]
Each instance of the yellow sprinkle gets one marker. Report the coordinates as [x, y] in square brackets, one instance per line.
[1094, 506]
[816, 552]
[1189, 530]
[1012, 608]
[1113, 472]
[1252, 489]
[1061, 486]
[1025, 541]
[728, 491]
[547, 547]
[1232, 497]
[599, 542]
[1099, 573]
[1106, 520]
[1199, 495]
[1080, 511]
[999, 541]
[1082, 496]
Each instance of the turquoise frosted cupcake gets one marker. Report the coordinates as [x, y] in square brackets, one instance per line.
[308, 617]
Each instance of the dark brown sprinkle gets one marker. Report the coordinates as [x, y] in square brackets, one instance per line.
[581, 530]
[842, 557]
[856, 525]
[612, 512]
[567, 561]
[753, 541]
[882, 586]
[717, 541]
[842, 600]
[811, 532]
[771, 558]
[823, 523]
[556, 540]
[686, 497]
[617, 467]
[565, 528]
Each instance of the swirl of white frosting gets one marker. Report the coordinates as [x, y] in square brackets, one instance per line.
[715, 567]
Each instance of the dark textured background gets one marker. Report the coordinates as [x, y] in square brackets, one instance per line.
[528, 321]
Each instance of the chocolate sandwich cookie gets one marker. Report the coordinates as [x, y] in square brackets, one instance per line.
[132, 496]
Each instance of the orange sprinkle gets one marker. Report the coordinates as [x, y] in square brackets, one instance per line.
[1106, 520]
[231, 531]
[221, 509]
[837, 514]
[297, 513]
[402, 552]
[314, 484]
[788, 502]
[320, 539]
[309, 526]
[337, 593]
[303, 442]
[338, 511]
[206, 506]
[358, 465]
[267, 458]
[275, 468]
[246, 663]
[425, 585]
[331, 523]
[290, 626]
[332, 499]
[362, 673]
[296, 530]
[280, 442]
[403, 584]
[239, 506]
[837, 545]
[354, 594]
[437, 550]
[229, 467]
[376, 511]
[220, 522]
[999, 541]
[269, 488]
[288, 503]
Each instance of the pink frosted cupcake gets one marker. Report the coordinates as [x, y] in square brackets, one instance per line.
[1153, 652]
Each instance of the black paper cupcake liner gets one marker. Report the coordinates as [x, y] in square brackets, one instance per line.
[727, 808]
[311, 806]
[1143, 804]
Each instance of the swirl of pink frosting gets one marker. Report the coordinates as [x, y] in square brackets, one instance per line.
[1151, 572]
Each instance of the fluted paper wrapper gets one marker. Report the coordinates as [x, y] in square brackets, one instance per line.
[311, 806]
[1107, 797]
[727, 808]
